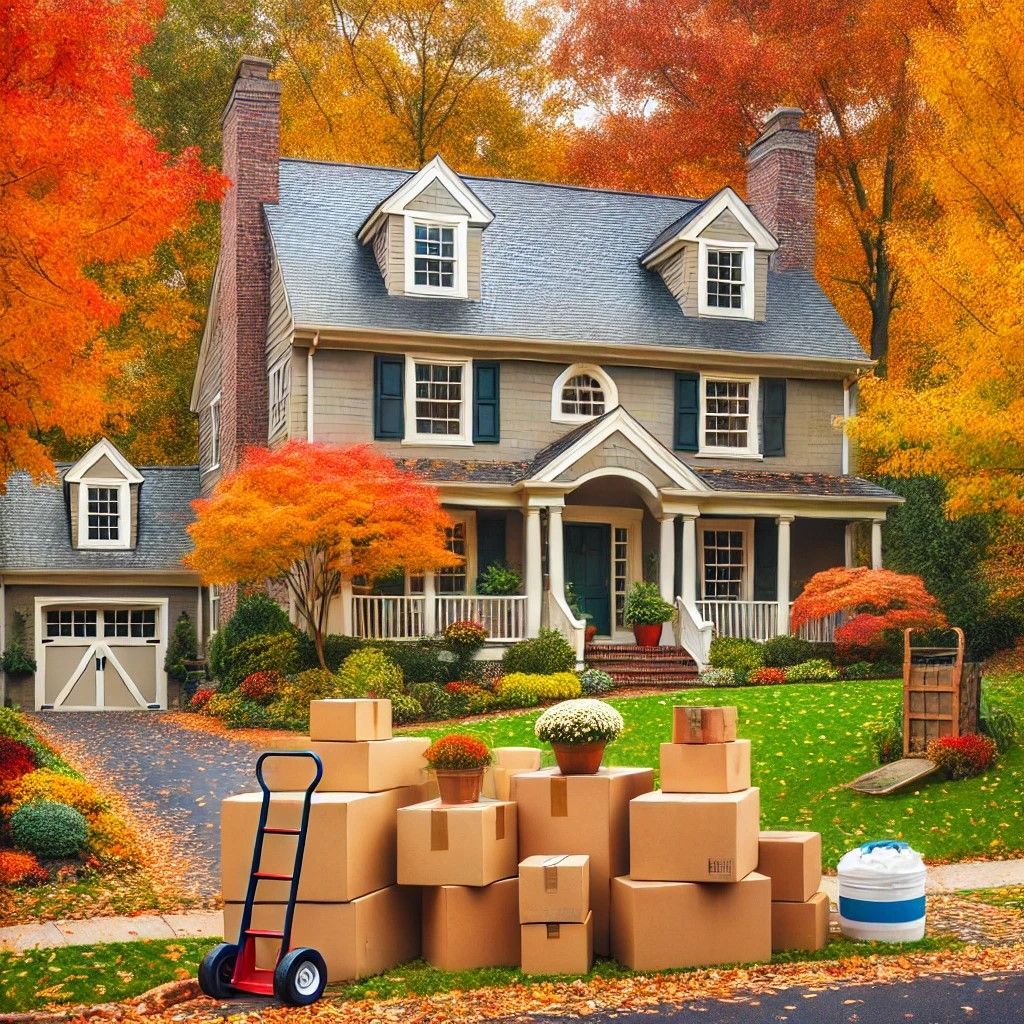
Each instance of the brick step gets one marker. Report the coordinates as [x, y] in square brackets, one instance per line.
[624, 665]
[619, 652]
[630, 665]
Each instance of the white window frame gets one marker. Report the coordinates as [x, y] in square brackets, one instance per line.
[465, 437]
[744, 526]
[746, 310]
[214, 412]
[752, 450]
[213, 598]
[460, 289]
[279, 386]
[611, 392]
[124, 514]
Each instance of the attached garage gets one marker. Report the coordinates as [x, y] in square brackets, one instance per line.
[101, 654]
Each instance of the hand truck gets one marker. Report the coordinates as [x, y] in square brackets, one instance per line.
[299, 975]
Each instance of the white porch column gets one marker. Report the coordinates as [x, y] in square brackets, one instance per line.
[429, 603]
[667, 558]
[876, 543]
[556, 558]
[688, 560]
[534, 577]
[849, 536]
[345, 596]
[782, 574]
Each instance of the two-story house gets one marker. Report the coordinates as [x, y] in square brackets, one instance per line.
[604, 386]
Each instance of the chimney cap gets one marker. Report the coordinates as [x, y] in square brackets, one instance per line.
[781, 118]
[253, 67]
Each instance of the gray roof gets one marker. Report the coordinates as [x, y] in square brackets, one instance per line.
[35, 533]
[765, 481]
[559, 263]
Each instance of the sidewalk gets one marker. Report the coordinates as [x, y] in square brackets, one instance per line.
[969, 874]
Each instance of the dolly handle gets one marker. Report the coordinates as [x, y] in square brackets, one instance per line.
[318, 775]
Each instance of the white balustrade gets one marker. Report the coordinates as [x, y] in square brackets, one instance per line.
[693, 633]
[504, 618]
[385, 617]
[751, 620]
[821, 631]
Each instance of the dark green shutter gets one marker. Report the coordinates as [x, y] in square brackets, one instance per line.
[388, 397]
[687, 412]
[766, 558]
[773, 416]
[486, 402]
[490, 540]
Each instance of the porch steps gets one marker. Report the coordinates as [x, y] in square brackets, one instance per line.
[630, 665]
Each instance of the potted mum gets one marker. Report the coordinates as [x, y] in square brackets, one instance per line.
[578, 731]
[458, 762]
[646, 611]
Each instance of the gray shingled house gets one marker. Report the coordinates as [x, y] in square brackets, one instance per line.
[91, 575]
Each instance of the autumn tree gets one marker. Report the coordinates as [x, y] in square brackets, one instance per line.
[680, 88]
[84, 192]
[313, 515]
[873, 601]
[953, 405]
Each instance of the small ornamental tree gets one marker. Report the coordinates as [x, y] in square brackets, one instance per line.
[314, 515]
[183, 647]
[876, 600]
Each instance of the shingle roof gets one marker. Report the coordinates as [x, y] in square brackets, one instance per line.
[34, 530]
[462, 471]
[559, 263]
[815, 484]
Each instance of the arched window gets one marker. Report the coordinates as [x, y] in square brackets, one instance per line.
[581, 393]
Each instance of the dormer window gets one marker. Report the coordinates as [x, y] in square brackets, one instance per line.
[582, 392]
[435, 260]
[725, 279]
[100, 489]
[103, 516]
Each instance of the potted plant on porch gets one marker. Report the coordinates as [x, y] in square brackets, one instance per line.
[646, 611]
[578, 731]
[458, 762]
[573, 601]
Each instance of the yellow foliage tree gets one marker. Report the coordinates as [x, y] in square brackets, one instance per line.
[953, 404]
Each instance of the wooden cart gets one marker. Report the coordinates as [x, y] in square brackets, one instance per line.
[941, 694]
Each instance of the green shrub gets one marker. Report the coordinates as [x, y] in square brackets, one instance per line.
[337, 648]
[370, 671]
[182, 647]
[859, 670]
[291, 709]
[246, 714]
[742, 656]
[255, 615]
[16, 659]
[886, 737]
[813, 671]
[49, 829]
[405, 709]
[219, 703]
[499, 579]
[547, 653]
[710, 676]
[434, 699]
[644, 606]
[998, 723]
[594, 682]
[784, 651]
[271, 652]
[480, 701]
[429, 660]
[525, 690]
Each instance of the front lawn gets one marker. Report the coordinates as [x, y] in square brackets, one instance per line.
[810, 739]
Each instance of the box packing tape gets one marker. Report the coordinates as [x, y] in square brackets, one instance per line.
[559, 797]
[554, 931]
[439, 826]
[551, 873]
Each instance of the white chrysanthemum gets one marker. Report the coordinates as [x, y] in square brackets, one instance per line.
[579, 721]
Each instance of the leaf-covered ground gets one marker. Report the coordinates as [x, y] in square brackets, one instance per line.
[808, 741]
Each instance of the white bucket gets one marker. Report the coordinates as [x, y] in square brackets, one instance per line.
[881, 892]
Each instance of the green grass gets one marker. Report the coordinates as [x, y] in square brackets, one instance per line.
[808, 741]
[104, 973]
[1009, 896]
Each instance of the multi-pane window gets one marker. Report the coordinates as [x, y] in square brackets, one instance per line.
[725, 279]
[583, 395]
[278, 385]
[70, 622]
[103, 515]
[724, 564]
[215, 433]
[434, 265]
[620, 553]
[453, 580]
[214, 608]
[438, 398]
[136, 623]
[727, 414]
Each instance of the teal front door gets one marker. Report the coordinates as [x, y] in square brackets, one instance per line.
[588, 567]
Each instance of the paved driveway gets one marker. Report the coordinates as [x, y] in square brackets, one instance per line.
[176, 776]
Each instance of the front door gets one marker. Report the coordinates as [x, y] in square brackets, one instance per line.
[588, 565]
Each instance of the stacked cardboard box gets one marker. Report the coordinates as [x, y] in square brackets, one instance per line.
[692, 896]
[792, 860]
[350, 907]
[508, 763]
[556, 925]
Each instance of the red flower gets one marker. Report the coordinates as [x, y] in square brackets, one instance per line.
[201, 698]
[261, 687]
[768, 676]
[457, 752]
[16, 759]
[17, 868]
[962, 757]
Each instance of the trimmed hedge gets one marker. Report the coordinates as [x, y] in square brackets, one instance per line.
[49, 829]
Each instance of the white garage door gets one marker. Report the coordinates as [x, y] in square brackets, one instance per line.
[103, 656]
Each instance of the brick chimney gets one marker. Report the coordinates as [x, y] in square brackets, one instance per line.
[250, 127]
[781, 187]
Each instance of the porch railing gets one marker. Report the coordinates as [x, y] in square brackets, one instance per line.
[752, 620]
[382, 617]
[821, 631]
[504, 618]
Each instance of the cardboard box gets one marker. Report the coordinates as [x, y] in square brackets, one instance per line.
[348, 720]
[705, 767]
[583, 814]
[522, 758]
[457, 844]
[703, 725]
[554, 888]
[350, 845]
[362, 766]
[800, 925]
[358, 939]
[693, 837]
[792, 860]
[471, 926]
[558, 947]
[661, 925]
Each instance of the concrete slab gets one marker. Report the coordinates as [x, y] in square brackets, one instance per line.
[196, 926]
[21, 937]
[979, 874]
[114, 929]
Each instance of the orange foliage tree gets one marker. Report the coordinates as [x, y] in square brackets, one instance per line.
[84, 192]
[876, 600]
[313, 515]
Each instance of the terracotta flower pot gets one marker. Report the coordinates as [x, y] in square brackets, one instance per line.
[459, 787]
[648, 635]
[579, 758]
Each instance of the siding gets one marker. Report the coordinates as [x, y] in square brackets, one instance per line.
[726, 228]
[103, 469]
[389, 252]
[435, 198]
[297, 403]
[680, 274]
[474, 251]
[343, 413]
[74, 492]
[209, 386]
[280, 330]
